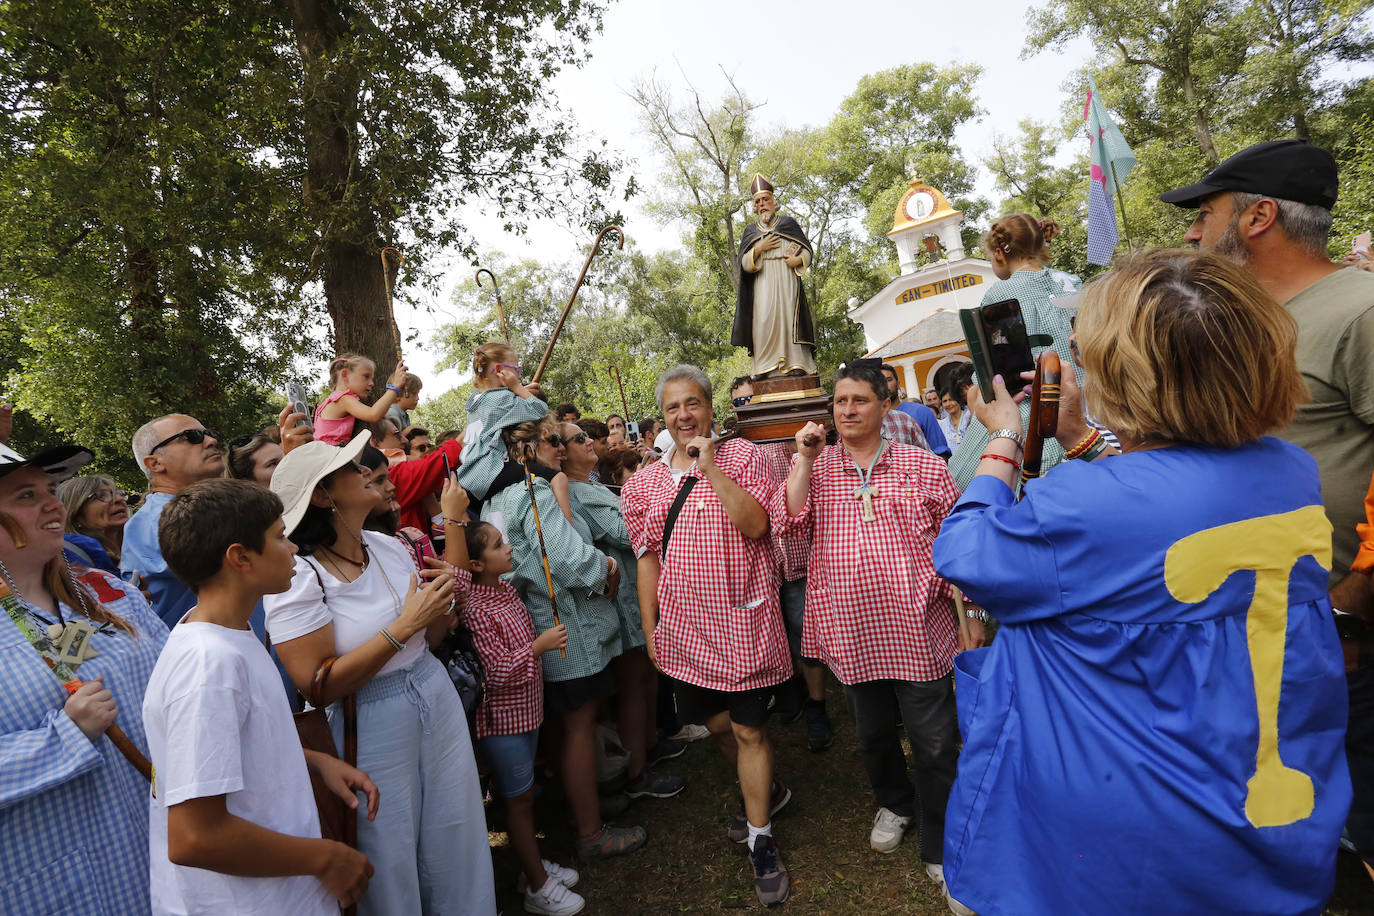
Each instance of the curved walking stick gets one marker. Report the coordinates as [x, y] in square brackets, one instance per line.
[1044, 414]
[500, 309]
[558, 328]
[386, 281]
[624, 405]
[543, 551]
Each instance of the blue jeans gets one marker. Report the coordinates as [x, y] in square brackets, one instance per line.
[429, 841]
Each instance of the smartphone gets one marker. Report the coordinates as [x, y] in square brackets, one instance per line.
[632, 430]
[295, 396]
[448, 469]
[1008, 344]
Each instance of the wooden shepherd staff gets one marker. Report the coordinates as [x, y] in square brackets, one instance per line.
[558, 328]
[390, 312]
[543, 551]
[500, 309]
[1044, 414]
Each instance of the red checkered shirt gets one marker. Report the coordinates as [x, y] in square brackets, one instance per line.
[719, 620]
[874, 606]
[513, 701]
[791, 550]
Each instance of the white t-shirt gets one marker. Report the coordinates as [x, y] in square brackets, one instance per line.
[218, 724]
[358, 609]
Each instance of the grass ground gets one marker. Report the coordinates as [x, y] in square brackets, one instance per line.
[690, 867]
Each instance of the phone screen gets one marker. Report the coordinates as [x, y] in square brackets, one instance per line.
[1009, 351]
[632, 428]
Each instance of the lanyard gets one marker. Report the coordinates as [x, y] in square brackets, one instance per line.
[40, 641]
[865, 477]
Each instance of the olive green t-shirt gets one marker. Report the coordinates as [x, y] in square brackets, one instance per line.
[1335, 319]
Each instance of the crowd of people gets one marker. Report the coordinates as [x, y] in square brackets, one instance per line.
[1150, 667]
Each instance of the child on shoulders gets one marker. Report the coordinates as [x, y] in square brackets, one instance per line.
[499, 402]
[512, 709]
[234, 827]
[350, 380]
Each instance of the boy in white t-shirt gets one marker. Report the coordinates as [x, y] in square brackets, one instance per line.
[234, 827]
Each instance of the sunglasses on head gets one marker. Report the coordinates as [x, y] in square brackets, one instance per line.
[192, 436]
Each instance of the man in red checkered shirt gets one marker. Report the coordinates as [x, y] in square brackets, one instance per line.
[876, 612]
[805, 692]
[708, 596]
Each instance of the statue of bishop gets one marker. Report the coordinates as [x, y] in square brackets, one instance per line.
[772, 318]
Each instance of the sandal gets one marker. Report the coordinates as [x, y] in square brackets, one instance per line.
[610, 842]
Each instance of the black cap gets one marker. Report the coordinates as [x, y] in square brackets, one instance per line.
[1285, 169]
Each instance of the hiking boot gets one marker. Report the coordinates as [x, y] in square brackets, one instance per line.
[771, 883]
[738, 831]
[888, 829]
[655, 785]
[611, 842]
[568, 877]
[818, 732]
[665, 749]
[937, 874]
[553, 899]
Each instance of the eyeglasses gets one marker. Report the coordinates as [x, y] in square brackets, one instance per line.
[741, 401]
[107, 496]
[516, 366]
[555, 440]
[580, 438]
[192, 436]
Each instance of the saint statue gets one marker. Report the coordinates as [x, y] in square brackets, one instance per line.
[772, 318]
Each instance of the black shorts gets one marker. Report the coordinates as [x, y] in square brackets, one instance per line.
[746, 707]
[563, 697]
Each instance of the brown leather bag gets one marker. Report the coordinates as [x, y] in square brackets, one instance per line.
[337, 820]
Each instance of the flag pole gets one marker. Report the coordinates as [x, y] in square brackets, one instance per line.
[1120, 205]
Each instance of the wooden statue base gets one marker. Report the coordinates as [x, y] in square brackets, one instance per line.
[781, 406]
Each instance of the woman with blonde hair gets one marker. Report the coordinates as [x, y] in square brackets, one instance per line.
[1018, 246]
[96, 515]
[75, 824]
[1159, 725]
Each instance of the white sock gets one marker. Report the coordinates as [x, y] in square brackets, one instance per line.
[755, 832]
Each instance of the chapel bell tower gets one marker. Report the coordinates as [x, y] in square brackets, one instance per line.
[923, 213]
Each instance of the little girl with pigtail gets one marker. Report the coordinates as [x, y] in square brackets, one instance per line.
[350, 381]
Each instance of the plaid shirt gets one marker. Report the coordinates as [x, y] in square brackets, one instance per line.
[874, 606]
[791, 550]
[719, 620]
[513, 701]
[900, 427]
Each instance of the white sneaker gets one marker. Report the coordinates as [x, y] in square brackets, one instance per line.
[937, 874]
[568, 877]
[553, 899]
[888, 830]
[692, 733]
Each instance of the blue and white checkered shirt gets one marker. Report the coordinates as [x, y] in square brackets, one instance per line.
[74, 813]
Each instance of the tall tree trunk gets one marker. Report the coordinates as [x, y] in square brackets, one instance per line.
[1201, 126]
[354, 289]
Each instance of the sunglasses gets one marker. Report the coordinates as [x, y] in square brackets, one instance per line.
[580, 438]
[192, 436]
[741, 401]
[555, 440]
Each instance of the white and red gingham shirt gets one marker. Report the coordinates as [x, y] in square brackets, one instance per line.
[792, 549]
[874, 606]
[719, 620]
[513, 700]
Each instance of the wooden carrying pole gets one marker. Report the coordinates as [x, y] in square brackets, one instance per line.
[558, 328]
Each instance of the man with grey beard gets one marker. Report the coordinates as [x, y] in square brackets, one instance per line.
[772, 317]
[1268, 207]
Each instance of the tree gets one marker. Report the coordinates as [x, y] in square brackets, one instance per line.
[184, 186]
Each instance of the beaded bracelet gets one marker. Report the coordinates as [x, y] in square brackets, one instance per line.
[1012, 462]
[1078, 451]
[393, 388]
[1095, 451]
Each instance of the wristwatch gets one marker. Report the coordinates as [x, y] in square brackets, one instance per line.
[1011, 434]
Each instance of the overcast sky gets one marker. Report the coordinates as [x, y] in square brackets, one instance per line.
[801, 63]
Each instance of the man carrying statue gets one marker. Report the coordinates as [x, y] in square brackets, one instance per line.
[772, 317]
